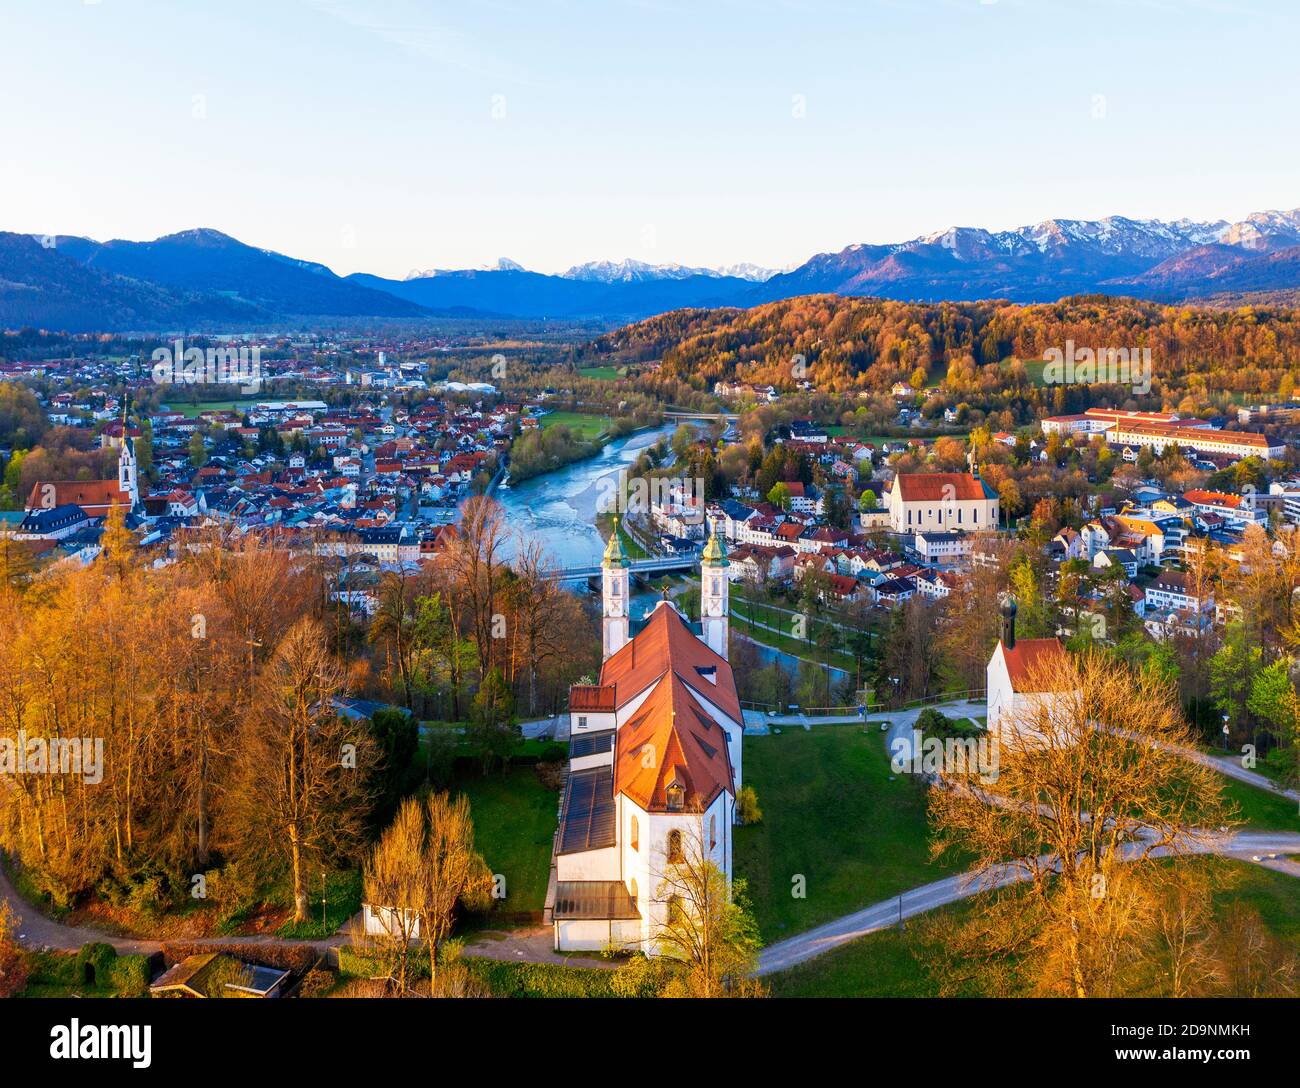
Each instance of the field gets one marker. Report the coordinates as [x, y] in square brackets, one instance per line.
[514, 821]
[600, 373]
[190, 411]
[589, 426]
[835, 815]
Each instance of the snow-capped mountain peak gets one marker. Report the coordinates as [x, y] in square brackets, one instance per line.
[633, 271]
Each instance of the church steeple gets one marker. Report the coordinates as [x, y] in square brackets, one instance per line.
[715, 591]
[128, 469]
[614, 555]
[615, 581]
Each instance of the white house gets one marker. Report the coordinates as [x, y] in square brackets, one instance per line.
[1014, 678]
[1171, 591]
[941, 500]
[654, 765]
[943, 548]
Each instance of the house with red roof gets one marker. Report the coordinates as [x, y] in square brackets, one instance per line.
[918, 501]
[1020, 677]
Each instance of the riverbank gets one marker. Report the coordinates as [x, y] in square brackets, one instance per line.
[593, 439]
[559, 508]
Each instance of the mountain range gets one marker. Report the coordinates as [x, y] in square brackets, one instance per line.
[203, 278]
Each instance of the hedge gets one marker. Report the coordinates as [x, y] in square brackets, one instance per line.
[99, 956]
[287, 957]
[130, 976]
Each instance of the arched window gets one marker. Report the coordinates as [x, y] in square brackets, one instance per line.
[635, 897]
[636, 834]
[713, 832]
[674, 846]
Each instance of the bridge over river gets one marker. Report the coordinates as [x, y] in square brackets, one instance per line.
[658, 565]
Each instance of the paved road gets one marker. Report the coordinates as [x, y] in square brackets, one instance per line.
[1233, 769]
[841, 931]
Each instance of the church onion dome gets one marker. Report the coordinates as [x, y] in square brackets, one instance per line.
[614, 556]
[715, 555]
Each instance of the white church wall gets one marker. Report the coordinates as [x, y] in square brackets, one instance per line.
[596, 935]
[588, 865]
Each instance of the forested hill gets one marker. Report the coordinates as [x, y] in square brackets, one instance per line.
[868, 344]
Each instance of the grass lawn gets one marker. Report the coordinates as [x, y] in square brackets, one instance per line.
[788, 643]
[190, 411]
[588, 426]
[342, 893]
[601, 373]
[514, 823]
[887, 963]
[831, 814]
[892, 962]
[1261, 809]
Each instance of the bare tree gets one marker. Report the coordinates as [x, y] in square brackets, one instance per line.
[454, 872]
[708, 927]
[394, 625]
[302, 767]
[475, 561]
[1087, 795]
[394, 883]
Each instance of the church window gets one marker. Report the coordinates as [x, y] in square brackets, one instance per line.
[713, 832]
[674, 846]
[636, 834]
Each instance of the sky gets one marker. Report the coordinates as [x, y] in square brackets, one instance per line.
[389, 136]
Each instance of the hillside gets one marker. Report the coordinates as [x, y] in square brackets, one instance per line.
[868, 344]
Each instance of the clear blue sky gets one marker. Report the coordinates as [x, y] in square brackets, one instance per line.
[389, 135]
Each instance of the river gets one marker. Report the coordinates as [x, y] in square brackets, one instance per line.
[559, 508]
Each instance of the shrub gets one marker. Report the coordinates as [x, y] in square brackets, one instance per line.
[149, 896]
[553, 753]
[932, 721]
[747, 806]
[318, 982]
[94, 964]
[933, 724]
[643, 977]
[287, 957]
[129, 976]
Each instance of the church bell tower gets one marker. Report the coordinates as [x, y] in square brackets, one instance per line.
[615, 581]
[715, 590]
[128, 469]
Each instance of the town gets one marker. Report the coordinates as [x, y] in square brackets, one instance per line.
[819, 563]
[640, 506]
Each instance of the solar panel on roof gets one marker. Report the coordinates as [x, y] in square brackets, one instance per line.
[591, 744]
[588, 811]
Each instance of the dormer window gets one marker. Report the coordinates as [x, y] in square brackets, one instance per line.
[676, 797]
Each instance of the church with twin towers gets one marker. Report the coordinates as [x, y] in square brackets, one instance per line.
[654, 764]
